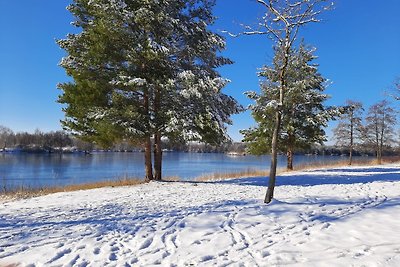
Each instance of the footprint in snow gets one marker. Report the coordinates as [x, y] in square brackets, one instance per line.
[265, 254]
[114, 248]
[112, 257]
[83, 264]
[206, 258]
[74, 260]
[59, 255]
[146, 243]
[59, 245]
[96, 251]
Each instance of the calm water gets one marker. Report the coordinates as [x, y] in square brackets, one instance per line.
[37, 170]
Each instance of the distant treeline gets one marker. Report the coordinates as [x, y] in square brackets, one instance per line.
[40, 141]
[60, 141]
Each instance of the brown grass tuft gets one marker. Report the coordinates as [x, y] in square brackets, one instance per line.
[341, 163]
[27, 192]
[231, 175]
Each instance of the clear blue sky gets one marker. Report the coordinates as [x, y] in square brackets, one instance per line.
[358, 45]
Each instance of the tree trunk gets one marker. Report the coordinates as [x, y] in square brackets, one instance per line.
[379, 157]
[351, 155]
[157, 136]
[351, 139]
[382, 133]
[147, 146]
[278, 118]
[157, 157]
[147, 160]
[379, 154]
[274, 159]
[289, 155]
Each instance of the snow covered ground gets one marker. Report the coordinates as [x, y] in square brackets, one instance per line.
[338, 217]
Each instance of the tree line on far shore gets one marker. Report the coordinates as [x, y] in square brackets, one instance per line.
[64, 142]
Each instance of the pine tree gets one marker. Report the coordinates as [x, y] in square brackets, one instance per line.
[303, 113]
[145, 70]
[349, 128]
[281, 22]
[380, 127]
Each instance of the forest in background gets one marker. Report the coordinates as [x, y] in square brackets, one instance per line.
[62, 142]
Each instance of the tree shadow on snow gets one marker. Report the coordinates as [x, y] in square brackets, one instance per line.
[325, 177]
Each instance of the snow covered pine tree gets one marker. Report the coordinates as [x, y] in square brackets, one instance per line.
[281, 22]
[145, 70]
[304, 115]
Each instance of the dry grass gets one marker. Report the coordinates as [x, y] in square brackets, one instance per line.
[301, 167]
[334, 164]
[27, 192]
[392, 159]
[231, 175]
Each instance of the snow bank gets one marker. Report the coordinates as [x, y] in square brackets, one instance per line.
[338, 217]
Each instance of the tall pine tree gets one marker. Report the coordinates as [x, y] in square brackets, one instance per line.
[304, 115]
[145, 70]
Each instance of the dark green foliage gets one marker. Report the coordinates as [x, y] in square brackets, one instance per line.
[304, 114]
[141, 67]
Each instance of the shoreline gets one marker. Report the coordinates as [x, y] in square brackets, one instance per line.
[25, 193]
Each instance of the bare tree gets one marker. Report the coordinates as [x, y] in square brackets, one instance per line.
[396, 89]
[6, 137]
[349, 128]
[281, 22]
[380, 127]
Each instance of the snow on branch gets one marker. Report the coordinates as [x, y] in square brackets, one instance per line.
[283, 19]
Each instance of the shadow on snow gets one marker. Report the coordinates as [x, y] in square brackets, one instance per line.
[332, 176]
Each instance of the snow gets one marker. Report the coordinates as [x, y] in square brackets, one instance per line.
[339, 217]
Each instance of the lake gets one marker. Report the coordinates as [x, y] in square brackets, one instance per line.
[38, 170]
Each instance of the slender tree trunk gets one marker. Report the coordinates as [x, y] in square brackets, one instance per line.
[351, 140]
[379, 154]
[147, 160]
[157, 157]
[351, 156]
[274, 159]
[278, 118]
[377, 139]
[379, 157]
[147, 146]
[382, 133]
[289, 155]
[157, 136]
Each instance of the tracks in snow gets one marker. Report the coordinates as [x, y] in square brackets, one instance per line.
[215, 230]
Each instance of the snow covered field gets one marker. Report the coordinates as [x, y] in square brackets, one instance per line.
[338, 217]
